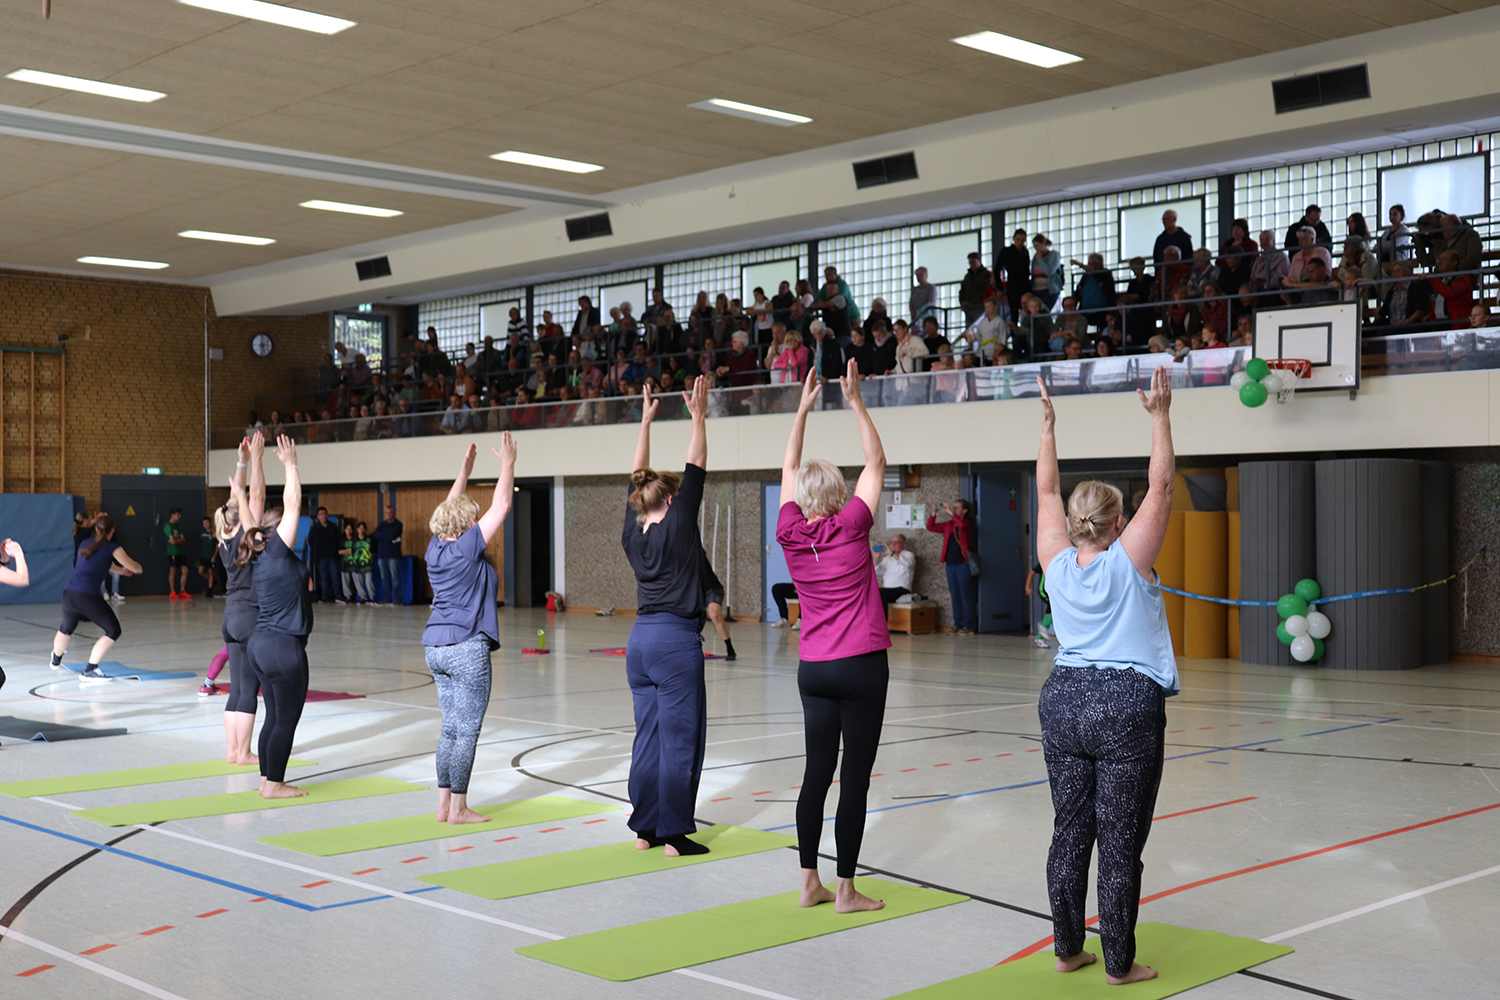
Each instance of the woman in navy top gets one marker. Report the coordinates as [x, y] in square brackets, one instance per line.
[1103, 710]
[18, 577]
[231, 521]
[278, 645]
[664, 655]
[82, 600]
[463, 629]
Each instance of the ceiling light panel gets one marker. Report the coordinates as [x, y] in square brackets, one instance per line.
[85, 86]
[1018, 49]
[275, 13]
[770, 116]
[549, 162]
[202, 234]
[148, 265]
[340, 206]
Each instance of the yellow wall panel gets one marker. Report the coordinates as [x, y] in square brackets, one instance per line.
[1169, 565]
[1205, 571]
[1232, 617]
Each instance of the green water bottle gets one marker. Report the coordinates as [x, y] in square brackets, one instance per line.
[541, 638]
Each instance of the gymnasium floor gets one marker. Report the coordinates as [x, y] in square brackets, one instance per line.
[1337, 793]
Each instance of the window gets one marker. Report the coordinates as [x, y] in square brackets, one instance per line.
[682, 280]
[460, 320]
[880, 264]
[362, 333]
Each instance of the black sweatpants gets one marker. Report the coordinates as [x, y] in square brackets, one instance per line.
[781, 593]
[280, 665]
[844, 697]
[1102, 737]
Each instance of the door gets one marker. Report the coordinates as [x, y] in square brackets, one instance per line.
[773, 563]
[1000, 501]
[140, 506]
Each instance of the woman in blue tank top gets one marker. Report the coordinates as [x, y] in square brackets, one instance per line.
[1103, 710]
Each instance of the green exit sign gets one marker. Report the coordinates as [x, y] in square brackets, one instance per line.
[151, 470]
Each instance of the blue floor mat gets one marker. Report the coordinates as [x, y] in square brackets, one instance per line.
[120, 670]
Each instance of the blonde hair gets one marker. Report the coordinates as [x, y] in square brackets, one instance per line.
[453, 517]
[793, 337]
[650, 490]
[227, 520]
[821, 490]
[1092, 510]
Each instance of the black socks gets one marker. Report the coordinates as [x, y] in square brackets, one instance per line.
[56, 660]
[650, 837]
[683, 846]
[729, 647]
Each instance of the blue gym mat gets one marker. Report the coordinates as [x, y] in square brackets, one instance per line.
[121, 671]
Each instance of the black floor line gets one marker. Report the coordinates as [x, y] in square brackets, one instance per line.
[8, 921]
[1293, 986]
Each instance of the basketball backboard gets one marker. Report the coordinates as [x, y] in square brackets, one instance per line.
[1327, 334]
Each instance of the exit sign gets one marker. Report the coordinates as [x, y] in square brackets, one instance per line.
[151, 470]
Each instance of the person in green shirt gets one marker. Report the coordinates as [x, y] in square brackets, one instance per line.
[363, 559]
[208, 553]
[177, 564]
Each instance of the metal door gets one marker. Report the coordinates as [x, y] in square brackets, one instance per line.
[1000, 506]
[773, 563]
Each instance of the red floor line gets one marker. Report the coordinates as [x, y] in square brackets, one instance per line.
[314, 885]
[410, 860]
[32, 972]
[365, 871]
[724, 799]
[1004, 755]
[1037, 750]
[1033, 949]
[1173, 731]
[554, 829]
[873, 776]
[768, 793]
[455, 850]
[1268, 722]
[504, 839]
[201, 916]
[906, 769]
[1234, 724]
[95, 951]
[970, 760]
[156, 930]
[942, 765]
[1217, 805]
[588, 821]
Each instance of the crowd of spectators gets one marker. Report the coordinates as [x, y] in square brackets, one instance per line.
[1185, 298]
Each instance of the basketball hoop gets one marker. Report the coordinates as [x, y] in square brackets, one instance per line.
[1299, 367]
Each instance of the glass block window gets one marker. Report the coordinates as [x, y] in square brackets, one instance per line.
[362, 333]
[682, 280]
[457, 319]
[879, 264]
[561, 297]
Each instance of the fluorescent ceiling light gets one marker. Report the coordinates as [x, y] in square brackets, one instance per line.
[339, 206]
[755, 113]
[550, 162]
[254, 241]
[86, 86]
[275, 13]
[1018, 49]
[149, 265]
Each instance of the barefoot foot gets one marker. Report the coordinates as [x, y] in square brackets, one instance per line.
[464, 814]
[246, 760]
[1138, 974]
[851, 901]
[1075, 962]
[812, 896]
[280, 790]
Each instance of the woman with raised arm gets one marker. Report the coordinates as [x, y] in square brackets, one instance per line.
[242, 513]
[664, 655]
[842, 674]
[82, 600]
[463, 628]
[278, 645]
[18, 577]
[1103, 710]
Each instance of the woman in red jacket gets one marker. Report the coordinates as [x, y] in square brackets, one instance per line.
[958, 543]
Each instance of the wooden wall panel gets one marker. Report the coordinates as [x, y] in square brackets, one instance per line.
[414, 506]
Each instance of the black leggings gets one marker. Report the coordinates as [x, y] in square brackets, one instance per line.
[1102, 736]
[239, 625]
[839, 697]
[78, 606]
[280, 665]
[781, 593]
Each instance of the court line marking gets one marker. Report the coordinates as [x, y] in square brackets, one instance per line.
[1360, 911]
[91, 966]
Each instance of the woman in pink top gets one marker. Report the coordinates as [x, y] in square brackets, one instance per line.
[843, 673]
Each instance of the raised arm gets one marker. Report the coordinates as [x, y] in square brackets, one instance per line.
[1146, 531]
[461, 482]
[20, 576]
[649, 408]
[872, 478]
[253, 506]
[505, 487]
[811, 386]
[291, 493]
[697, 404]
[1052, 520]
[237, 494]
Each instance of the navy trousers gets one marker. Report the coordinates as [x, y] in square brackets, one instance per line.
[326, 572]
[961, 589]
[664, 665]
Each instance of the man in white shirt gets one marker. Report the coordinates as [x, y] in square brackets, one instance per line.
[894, 569]
[991, 329]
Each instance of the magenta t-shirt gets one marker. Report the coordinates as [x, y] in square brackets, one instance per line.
[830, 563]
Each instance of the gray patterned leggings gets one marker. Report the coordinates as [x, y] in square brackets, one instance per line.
[1102, 737]
[462, 674]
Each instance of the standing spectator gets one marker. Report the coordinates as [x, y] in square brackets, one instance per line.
[933, 339]
[923, 301]
[177, 565]
[974, 288]
[1460, 237]
[781, 303]
[827, 358]
[347, 573]
[208, 554]
[1311, 219]
[1359, 232]
[550, 332]
[1095, 292]
[323, 546]
[894, 569]
[1015, 262]
[884, 343]
[700, 320]
[1140, 323]
[659, 305]
[990, 332]
[910, 350]
[835, 312]
[515, 328]
[1171, 236]
[1455, 293]
[362, 561]
[387, 539]
[1270, 268]
[329, 379]
[1406, 301]
[1237, 256]
[587, 320]
[1394, 242]
[831, 276]
[958, 543]
[878, 314]
[760, 311]
[1046, 271]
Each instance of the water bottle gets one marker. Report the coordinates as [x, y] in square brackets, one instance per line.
[541, 638]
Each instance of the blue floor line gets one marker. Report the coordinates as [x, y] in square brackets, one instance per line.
[371, 899]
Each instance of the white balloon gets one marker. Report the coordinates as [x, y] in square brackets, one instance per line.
[1318, 625]
[1238, 379]
[1303, 648]
[1273, 382]
[1297, 625]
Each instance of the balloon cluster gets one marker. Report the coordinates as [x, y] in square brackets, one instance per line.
[1303, 627]
[1259, 380]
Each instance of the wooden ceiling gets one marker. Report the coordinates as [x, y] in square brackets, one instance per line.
[442, 84]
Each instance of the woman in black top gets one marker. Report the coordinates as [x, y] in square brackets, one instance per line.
[278, 645]
[664, 656]
[231, 521]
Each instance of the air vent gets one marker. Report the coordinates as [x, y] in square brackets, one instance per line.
[1313, 90]
[375, 267]
[589, 227]
[886, 170]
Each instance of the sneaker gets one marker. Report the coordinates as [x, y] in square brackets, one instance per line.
[207, 690]
[779, 624]
[798, 626]
[1042, 643]
[337, 601]
[93, 675]
[58, 665]
[963, 631]
[118, 598]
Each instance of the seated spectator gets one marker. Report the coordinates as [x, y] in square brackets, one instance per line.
[1316, 285]
[1170, 273]
[1111, 331]
[932, 337]
[1202, 272]
[1237, 256]
[1140, 323]
[549, 331]
[991, 330]
[761, 312]
[862, 352]
[1479, 317]
[477, 413]
[1158, 344]
[1311, 219]
[639, 366]
[524, 416]
[1210, 336]
[1005, 356]
[432, 389]
[895, 568]
[1035, 329]
[1455, 292]
[1356, 267]
[1095, 291]
[1215, 310]
[800, 318]
[1244, 305]
[883, 341]
[455, 417]
[781, 304]
[463, 382]
[1269, 269]
[878, 314]
[1181, 318]
[1308, 249]
[364, 427]
[740, 364]
[1359, 232]
[1104, 348]
[1073, 350]
[793, 361]
[1071, 322]
[910, 350]
[1244, 331]
[273, 425]
[1181, 348]
[1407, 302]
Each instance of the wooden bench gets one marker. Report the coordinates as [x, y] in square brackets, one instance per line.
[917, 618]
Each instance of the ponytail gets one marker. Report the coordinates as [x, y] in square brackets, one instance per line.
[650, 490]
[253, 540]
[104, 526]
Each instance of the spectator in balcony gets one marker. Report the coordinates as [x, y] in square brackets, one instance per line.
[990, 331]
[638, 368]
[1202, 272]
[273, 425]
[628, 324]
[883, 342]
[1244, 306]
[343, 357]
[455, 417]
[933, 338]
[1035, 330]
[700, 319]
[835, 312]
[549, 331]
[1111, 331]
[721, 317]
[974, 288]
[1210, 337]
[1359, 232]
[587, 321]
[910, 350]
[1004, 356]
[792, 363]
[438, 362]
[923, 300]
[1216, 310]
[506, 383]
[1181, 318]
[1159, 344]
[827, 356]
[760, 311]
[831, 274]
[1308, 248]
[1270, 268]
[1394, 242]
[778, 342]
[1014, 262]
[1171, 235]
[471, 356]
[463, 382]
[614, 379]
[431, 390]
[1479, 317]
[1455, 292]
[516, 347]
[1356, 267]
[1459, 237]
[957, 545]
[1316, 284]
[665, 336]
[515, 328]
[658, 306]
[801, 318]
[1171, 273]
[740, 365]
[1311, 219]
[384, 426]
[781, 303]
[329, 379]
[1104, 348]
[1095, 291]
[804, 293]
[1046, 270]
[364, 427]
[862, 353]
[1140, 322]
[1244, 330]
[1237, 256]
[1070, 321]
[1072, 349]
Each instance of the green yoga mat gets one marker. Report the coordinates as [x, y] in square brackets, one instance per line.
[600, 864]
[658, 946]
[127, 779]
[415, 829]
[1183, 959]
[240, 802]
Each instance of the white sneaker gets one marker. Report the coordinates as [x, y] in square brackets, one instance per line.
[1043, 643]
[779, 624]
[55, 666]
[798, 626]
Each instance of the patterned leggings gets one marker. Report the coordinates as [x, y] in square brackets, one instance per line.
[1102, 737]
[462, 674]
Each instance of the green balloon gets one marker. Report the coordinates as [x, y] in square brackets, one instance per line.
[1282, 635]
[1290, 604]
[1046, 621]
[1308, 590]
[1252, 394]
[1257, 368]
[1319, 648]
